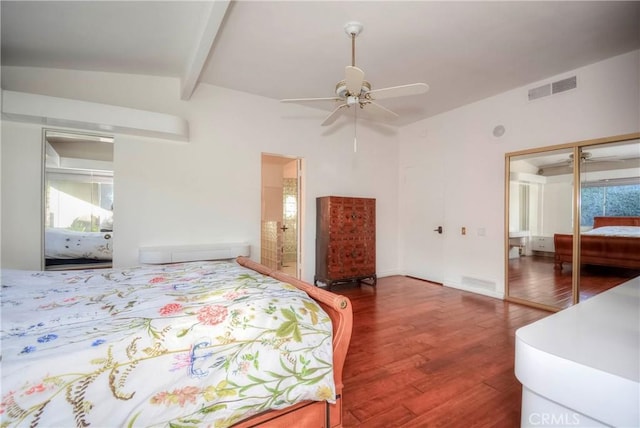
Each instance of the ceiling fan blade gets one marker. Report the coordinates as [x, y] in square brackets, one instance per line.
[298, 100]
[399, 91]
[354, 78]
[333, 116]
[378, 110]
[557, 164]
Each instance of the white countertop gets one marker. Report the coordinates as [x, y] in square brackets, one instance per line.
[587, 357]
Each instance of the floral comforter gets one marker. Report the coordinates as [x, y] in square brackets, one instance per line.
[182, 345]
[70, 244]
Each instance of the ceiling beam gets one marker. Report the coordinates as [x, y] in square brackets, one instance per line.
[69, 113]
[189, 81]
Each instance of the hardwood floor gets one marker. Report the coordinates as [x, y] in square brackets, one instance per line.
[424, 355]
[534, 278]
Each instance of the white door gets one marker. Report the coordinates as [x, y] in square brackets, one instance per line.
[421, 214]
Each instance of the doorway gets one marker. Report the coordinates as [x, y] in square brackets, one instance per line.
[281, 213]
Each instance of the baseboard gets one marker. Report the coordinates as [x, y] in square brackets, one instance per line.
[390, 272]
[476, 290]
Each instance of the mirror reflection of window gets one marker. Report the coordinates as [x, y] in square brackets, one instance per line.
[610, 181]
[78, 200]
[524, 202]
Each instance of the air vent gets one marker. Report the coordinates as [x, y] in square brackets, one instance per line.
[539, 92]
[564, 85]
[553, 88]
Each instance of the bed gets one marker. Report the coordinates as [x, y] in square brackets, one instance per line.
[613, 241]
[63, 247]
[203, 343]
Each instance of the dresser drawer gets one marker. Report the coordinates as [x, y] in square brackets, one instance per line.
[542, 243]
[353, 258]
[350, 219]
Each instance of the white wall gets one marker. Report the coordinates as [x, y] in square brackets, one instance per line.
[606, 103]
[446, 170]
[207, 189]
[557, 206]
[21, 186]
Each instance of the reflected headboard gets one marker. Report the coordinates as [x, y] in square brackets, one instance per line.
[616, 221]
[188, 253]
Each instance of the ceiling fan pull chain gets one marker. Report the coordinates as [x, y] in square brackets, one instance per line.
[355, 130]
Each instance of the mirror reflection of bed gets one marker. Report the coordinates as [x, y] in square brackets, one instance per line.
[77, 200]
[541, 227]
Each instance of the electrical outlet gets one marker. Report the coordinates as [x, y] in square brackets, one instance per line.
[463, 231]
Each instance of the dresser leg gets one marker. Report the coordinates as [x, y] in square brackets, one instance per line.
[372, 281]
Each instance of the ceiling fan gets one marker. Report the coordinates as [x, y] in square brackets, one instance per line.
[585, 158]
[355, 91]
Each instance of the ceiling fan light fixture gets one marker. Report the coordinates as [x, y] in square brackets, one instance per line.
[583, 156]
[342, 91]
[352, 100]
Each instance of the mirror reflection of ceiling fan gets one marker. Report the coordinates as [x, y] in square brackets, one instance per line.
[355, 91]
[585, 158]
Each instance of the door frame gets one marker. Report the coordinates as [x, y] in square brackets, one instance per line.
[300, 204]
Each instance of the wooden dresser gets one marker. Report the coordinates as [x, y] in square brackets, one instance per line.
[345, 240]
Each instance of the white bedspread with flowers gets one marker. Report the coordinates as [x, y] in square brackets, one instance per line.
[189, 345]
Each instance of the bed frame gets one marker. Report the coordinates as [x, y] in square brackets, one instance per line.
[311, 413]
[615, 251]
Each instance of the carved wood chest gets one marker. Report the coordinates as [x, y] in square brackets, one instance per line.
[345, 240]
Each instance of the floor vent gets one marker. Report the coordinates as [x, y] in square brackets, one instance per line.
[553, 88]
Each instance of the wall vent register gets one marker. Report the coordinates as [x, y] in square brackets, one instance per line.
[553, 88]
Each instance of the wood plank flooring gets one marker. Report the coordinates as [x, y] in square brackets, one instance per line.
[533, 278]
[424, 355]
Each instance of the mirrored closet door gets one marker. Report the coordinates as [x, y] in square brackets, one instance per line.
[540, 205]
[77, 200]
[609, 215]
[546, 191]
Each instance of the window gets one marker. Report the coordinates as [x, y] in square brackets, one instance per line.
[608, 200]
[80, 201]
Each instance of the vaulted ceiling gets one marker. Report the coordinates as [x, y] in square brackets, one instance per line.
[465, 51]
